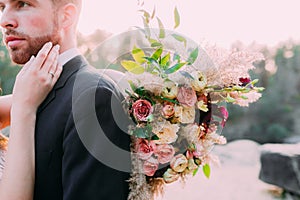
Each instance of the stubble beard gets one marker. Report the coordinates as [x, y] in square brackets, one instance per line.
[34, 44]
[21, 56]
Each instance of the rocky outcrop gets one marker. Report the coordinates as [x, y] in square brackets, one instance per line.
[280, 166]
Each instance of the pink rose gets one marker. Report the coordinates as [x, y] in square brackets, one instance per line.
[144, 148]
[179, 163]
[186, 96]
[168, 110]
[150, 166]
[142, 109]
[164, 153]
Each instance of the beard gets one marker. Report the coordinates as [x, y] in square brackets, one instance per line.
[34, 44]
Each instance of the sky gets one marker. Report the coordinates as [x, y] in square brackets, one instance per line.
[217, 21]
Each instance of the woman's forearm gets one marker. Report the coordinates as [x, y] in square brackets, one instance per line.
[17, 182]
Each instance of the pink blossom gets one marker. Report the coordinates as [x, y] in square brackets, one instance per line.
[150, 166]
[142, 109]
[186, 96]
[144, 148]
[168, 110]
[164, 153]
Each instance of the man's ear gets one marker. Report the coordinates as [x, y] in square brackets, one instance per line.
[68, 15]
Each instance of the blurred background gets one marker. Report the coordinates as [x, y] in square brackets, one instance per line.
[270, 27]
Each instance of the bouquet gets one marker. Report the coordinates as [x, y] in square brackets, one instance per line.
[177, 102]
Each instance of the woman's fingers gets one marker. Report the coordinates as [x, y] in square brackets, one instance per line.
[57, 73]
[42, 56]
[28, 64]
[50, 63]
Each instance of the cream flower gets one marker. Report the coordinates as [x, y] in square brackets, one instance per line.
[179, 163]
[185, 115]
[191, 132]
[202, 106]
[170, 176]
[166, 132]
[169, 90]
[199, 82]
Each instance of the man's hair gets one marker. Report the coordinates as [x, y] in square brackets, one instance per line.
[63, 2]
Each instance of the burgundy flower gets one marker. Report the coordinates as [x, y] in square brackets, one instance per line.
[142, 109]
[225, 115]
[245, 81]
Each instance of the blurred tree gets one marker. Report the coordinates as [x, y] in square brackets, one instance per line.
[8, 70]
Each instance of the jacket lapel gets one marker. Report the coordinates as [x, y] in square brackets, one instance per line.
[69, 69]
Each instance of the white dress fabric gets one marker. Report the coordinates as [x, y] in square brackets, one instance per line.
[2, 154]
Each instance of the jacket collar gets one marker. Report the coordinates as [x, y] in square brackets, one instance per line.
[69, 69]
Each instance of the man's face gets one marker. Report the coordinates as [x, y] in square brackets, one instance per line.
[27, 26]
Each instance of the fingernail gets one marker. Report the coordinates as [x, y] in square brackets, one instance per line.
[48, 44]
[57, 47]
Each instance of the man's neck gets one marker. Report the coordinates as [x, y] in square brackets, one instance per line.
[67, 55]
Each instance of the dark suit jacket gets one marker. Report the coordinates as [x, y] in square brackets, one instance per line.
[69, 147]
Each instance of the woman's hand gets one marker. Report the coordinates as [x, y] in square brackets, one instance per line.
[37, 78]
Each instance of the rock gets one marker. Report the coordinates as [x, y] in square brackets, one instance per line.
[238, 152]
[280, 165]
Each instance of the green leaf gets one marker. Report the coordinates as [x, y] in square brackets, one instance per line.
[179, 38]
[195, 171]
[133, 87]
[153, 13]
[146, 28]
[146, 15]
[260, 89]
[156, 44]
[138, 55]
[193, 56]
[132, 67]
[144, 132]
[186, 74]
[175, 68]
[155, 137]
[176, 57]
[156, 55]
[176, 18]
[162, 32]
[244, 97]
[254, 81]
[206, 170]
[229, 99]
[165, 60]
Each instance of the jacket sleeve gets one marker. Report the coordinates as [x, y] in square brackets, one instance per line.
[96, 158]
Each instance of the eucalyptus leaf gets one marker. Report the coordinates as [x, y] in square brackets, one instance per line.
[132, 67]
[162, 32]
[193, 56]
[176, 57]
[180, 38]
[175, 68]
[153, 13]
[186, 74]
[176, 18]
